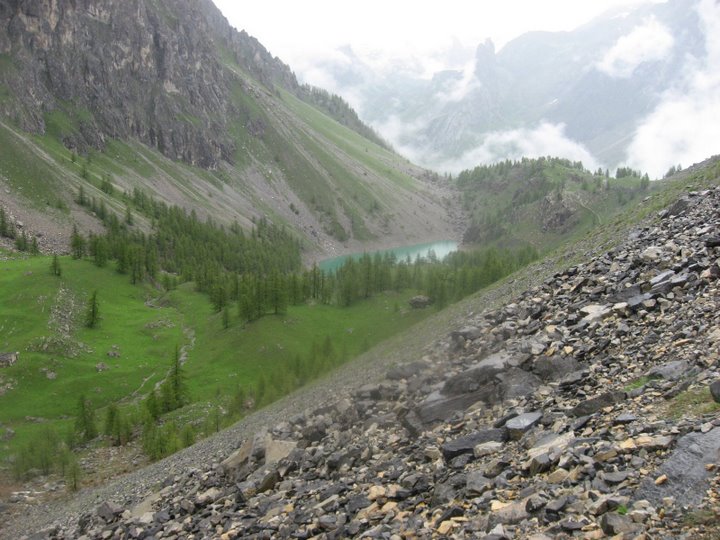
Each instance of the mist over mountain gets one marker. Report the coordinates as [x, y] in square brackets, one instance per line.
[634, 88]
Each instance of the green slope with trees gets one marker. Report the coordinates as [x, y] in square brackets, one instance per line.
[117, 351]
[544, 202]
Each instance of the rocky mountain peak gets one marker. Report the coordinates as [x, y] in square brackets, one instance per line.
[485, 60]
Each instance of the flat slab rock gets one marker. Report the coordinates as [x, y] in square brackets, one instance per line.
[685, 469]
[670, 371]
[593, 405]
[467, 444]
[519, 425]
[438, 407]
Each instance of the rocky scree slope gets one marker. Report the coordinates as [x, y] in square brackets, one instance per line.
[562, 414]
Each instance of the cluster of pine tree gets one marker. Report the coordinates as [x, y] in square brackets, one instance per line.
[521, 169]
[45, 454]
[7, 230]
[455, 277]
[203, 252]
[259, 272]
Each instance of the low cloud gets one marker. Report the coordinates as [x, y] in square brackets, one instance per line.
[685, 127]
[458, 89]
[545, 140]
[646, 43]
[403, 137]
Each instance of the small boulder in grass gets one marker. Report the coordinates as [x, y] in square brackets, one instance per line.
[715, 391]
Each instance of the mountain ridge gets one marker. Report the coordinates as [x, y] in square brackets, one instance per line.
[600, 82]
[103, 88]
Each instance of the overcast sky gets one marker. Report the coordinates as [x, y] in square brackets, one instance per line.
[425, 37]
[294, 30]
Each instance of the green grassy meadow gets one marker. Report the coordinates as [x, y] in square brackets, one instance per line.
[42, 317]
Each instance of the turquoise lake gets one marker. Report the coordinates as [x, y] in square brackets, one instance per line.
[441, 249]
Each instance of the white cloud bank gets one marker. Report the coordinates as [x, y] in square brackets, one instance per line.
[458, 89]
[685, 127]
[648, 42]
[545, 140]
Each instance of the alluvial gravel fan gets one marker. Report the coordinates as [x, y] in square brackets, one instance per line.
[581, 408]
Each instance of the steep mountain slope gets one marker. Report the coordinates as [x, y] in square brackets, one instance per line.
[599, 82]
[166, 97]
[563, 403]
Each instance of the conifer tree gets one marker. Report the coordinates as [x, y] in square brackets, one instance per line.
[277, 293]
[137, 264]
[55, 269]
[77, 243]
[99, 250]
[219, 297]
[21, 242]
[226, 318]
[3, 223]
[81, 199]
[177, 380]
[92, 314]
[85, 420]
[152, 405]
[73, 474]
[187, 437]
[174, 392]
[239, 400]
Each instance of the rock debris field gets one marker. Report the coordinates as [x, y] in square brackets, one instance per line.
[585, 407]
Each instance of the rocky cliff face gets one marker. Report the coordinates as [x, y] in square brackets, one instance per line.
[144, 69]
[584, 407]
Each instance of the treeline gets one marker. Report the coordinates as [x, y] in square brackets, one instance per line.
[338, 109]
[518, 169]
[528, 167]
[250, 297]
[183, 246]
[258, 273]
[443, 281]
[458, 275]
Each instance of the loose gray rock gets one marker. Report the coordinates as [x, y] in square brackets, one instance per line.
[715, 391]
[467, 444]
[518, 426]
[591, 406]
[670, 371]
[687, 477]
